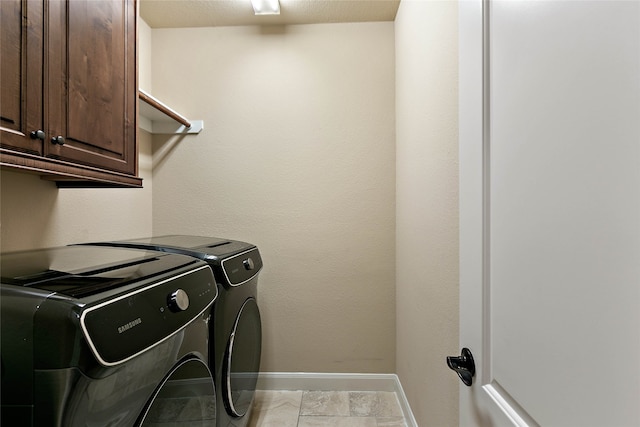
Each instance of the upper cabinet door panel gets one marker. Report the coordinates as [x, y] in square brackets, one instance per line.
[22, 56]
[92, 75]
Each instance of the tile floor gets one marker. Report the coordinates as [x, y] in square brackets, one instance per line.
[326, 408]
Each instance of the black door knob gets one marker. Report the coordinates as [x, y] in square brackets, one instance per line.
[463, 365]
[58, 140]
[37, 134]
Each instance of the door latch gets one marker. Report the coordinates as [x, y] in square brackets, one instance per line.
[463, 365]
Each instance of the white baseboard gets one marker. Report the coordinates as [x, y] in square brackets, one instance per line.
[337, 382]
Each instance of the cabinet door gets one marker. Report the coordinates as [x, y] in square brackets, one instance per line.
[91, 93]
[21, 67]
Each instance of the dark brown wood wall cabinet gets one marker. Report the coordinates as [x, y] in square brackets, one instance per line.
[68, 106]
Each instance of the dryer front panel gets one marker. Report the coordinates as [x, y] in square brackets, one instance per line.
[242, 359]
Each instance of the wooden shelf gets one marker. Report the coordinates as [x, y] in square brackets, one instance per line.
[158, 118]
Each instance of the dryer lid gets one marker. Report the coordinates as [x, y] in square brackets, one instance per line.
[210, 249]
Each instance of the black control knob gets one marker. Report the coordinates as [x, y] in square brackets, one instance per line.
[249, 264]
[178, 301]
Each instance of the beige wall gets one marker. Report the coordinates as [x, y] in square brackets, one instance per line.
[298, 157]
[145, 50]
[36, 214]
[427, 207]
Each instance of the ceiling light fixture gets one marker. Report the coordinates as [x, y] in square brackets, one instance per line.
[266, 7]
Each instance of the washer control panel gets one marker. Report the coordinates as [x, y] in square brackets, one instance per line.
[121, 328]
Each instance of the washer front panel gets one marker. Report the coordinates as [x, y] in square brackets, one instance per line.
[186, 397]
[124, 327]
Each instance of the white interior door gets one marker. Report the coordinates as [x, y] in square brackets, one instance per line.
[550, 212]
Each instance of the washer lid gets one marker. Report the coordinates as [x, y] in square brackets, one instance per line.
[80, 271]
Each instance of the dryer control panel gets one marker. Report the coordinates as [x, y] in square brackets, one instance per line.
[242, 267]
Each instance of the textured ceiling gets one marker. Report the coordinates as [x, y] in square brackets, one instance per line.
[216, 13]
